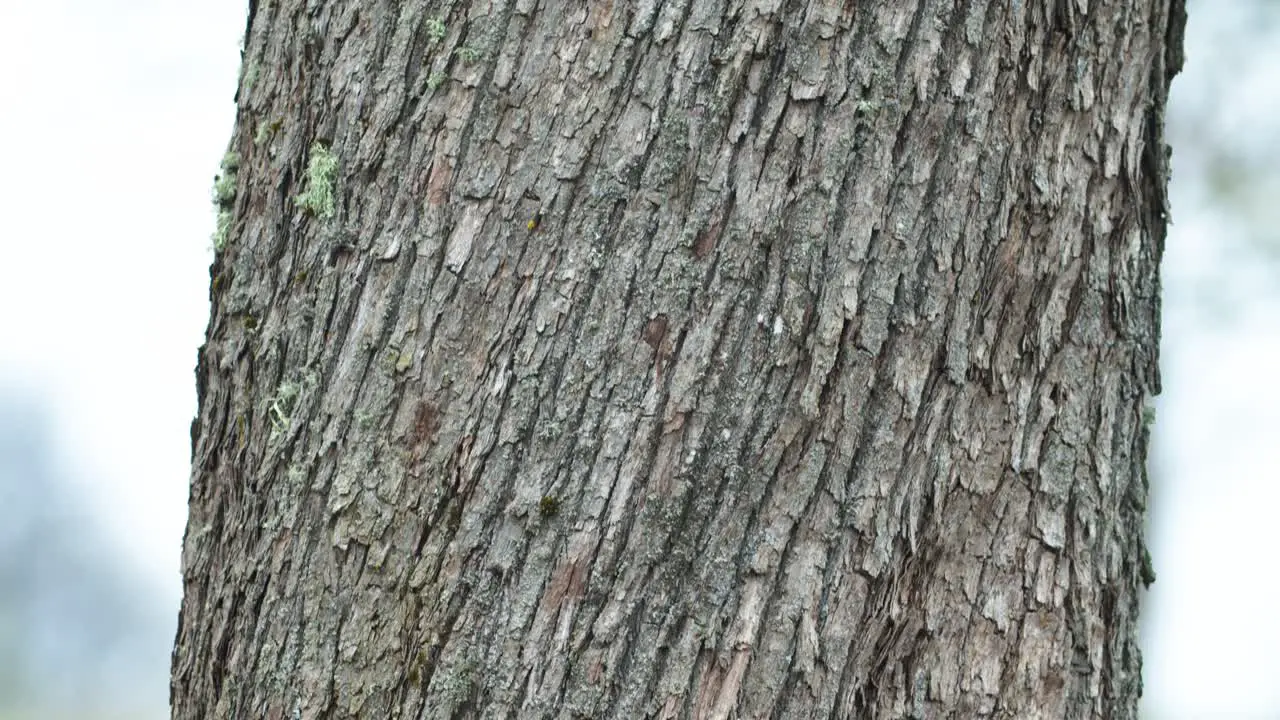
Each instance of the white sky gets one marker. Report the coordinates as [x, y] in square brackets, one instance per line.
[114, 115]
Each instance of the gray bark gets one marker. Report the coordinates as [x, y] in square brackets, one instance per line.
[680, 359]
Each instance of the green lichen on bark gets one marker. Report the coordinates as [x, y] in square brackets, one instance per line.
[224, 197]
[222, 229]
[322, 168]
[436, 29]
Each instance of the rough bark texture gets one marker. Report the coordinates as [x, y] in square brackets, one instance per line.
[680, 359]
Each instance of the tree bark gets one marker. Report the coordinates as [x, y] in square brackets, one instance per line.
[684, 359]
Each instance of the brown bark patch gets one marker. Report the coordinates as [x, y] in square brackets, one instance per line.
[426, 423]
[438, 182]
[601, 16]
[655, 331]
[655, 335]
[567, 583]
[706, 241]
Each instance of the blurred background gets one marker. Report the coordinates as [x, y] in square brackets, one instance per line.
[115, 115]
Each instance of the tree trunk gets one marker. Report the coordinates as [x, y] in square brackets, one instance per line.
[683, 359]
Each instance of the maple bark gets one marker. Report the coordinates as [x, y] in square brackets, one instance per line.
[680, 359]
